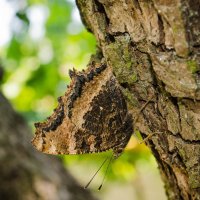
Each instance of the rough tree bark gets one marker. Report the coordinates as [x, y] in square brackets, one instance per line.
[26, 174]
[153, 49]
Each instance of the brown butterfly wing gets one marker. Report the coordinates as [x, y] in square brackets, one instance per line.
[95, 119]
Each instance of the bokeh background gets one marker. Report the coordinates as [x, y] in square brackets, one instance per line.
[40, 41]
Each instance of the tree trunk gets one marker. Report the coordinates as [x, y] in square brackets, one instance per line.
[26, 174]
[153, 49]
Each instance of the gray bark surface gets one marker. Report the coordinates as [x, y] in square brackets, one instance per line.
[153, 49]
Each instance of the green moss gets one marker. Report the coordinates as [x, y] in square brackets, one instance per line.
[193, 181]
[192, 66]
[119, 55]
[182, 153]
[133, 78]
[130, 97]
[129, 64]
[175, 29]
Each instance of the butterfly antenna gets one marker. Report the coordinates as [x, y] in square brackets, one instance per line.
[95, 173]
[105, 172]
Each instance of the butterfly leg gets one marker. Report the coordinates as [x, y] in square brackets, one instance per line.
[148, 137]
[137, 116]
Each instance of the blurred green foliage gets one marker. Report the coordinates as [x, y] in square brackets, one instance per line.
[47, 40]
[36, 67]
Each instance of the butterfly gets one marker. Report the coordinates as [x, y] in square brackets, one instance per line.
[91, 117]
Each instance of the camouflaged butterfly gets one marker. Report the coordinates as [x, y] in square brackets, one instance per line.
[91, 117]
